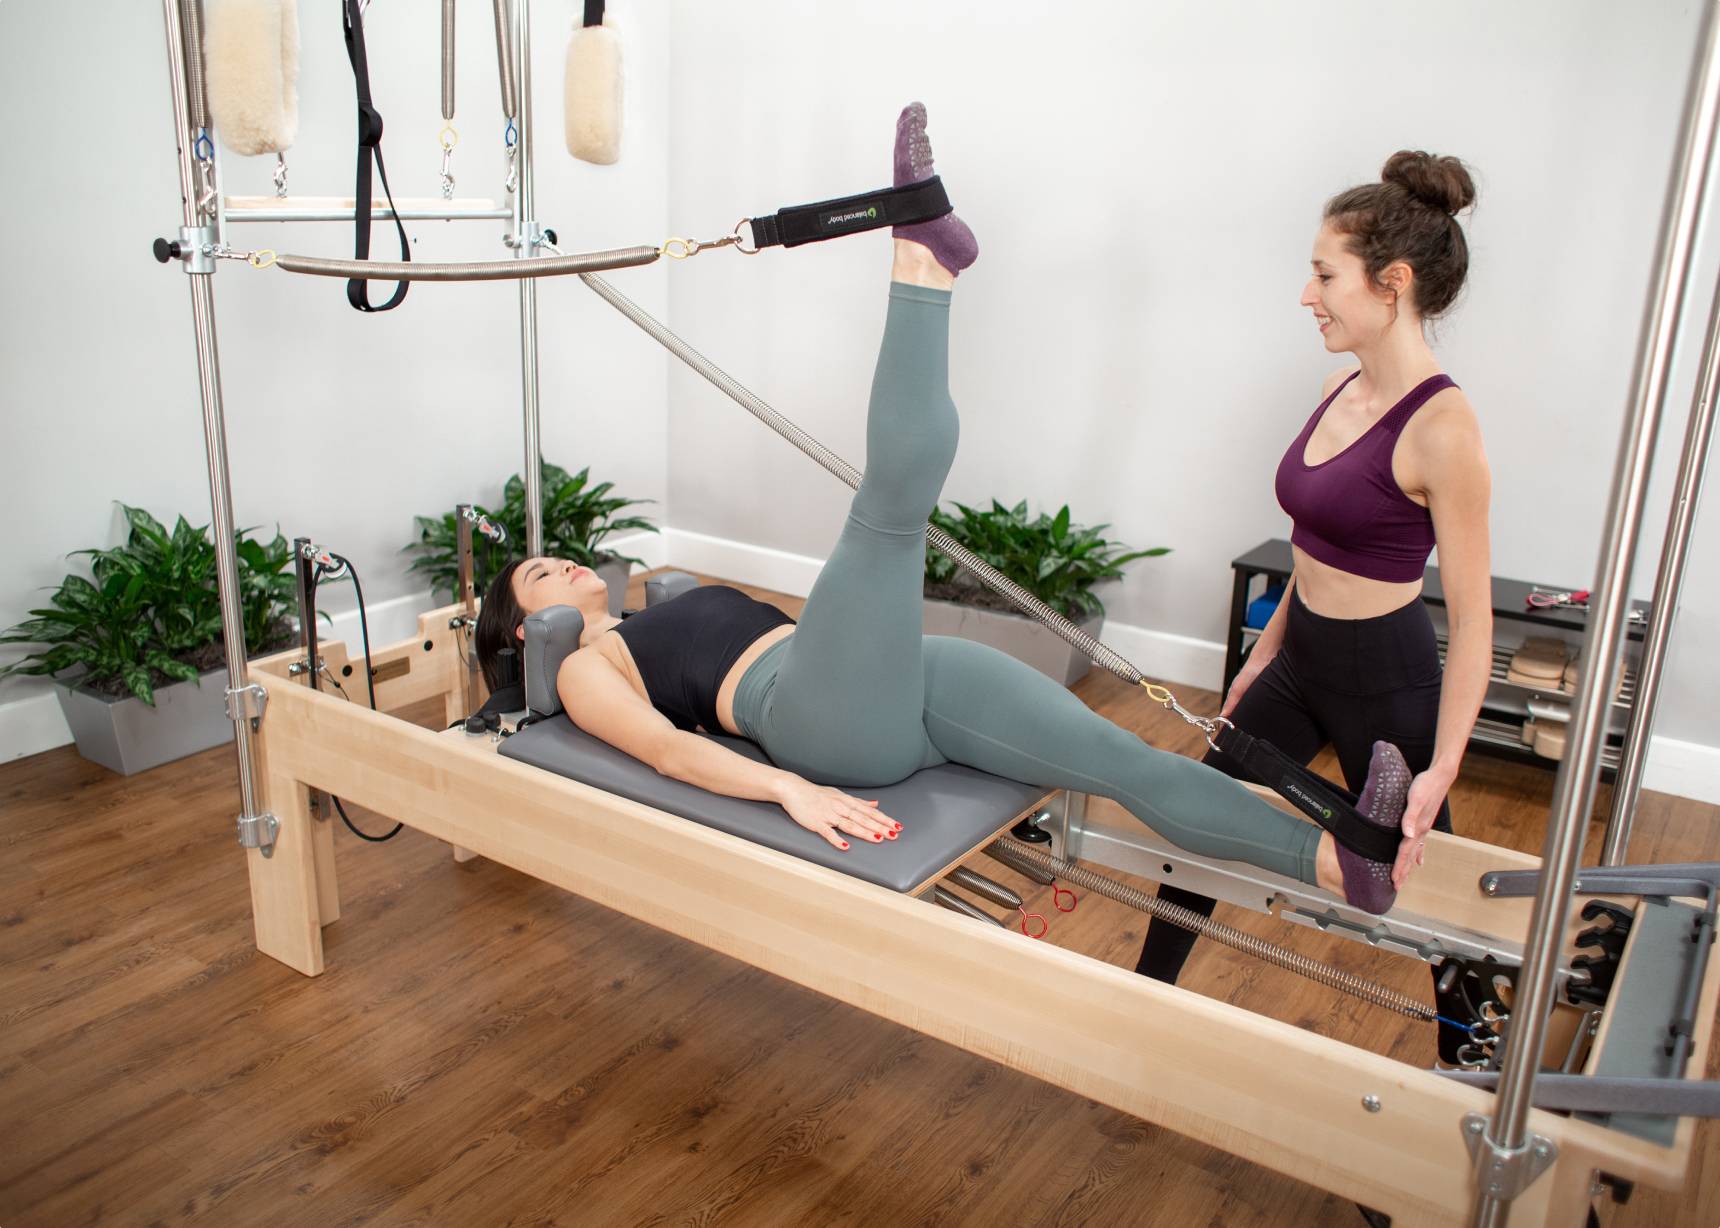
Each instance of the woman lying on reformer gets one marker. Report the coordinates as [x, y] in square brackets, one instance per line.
[854, 695]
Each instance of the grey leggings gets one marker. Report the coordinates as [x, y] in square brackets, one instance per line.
[858, 696]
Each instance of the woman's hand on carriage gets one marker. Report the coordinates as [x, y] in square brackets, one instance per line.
[835, 815]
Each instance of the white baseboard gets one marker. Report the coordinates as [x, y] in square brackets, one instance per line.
[33, 723]
[1683, 769]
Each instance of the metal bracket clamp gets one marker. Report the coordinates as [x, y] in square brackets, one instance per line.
[258, 832]
[198, 243]
[247, 703]
[1503, 1173]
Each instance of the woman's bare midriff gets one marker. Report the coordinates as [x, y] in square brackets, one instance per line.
[614, 650]
[1342, 594]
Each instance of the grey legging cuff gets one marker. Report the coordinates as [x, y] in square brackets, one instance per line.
[859, 696]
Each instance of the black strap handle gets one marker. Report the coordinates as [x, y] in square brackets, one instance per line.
[831, 219]
[593, 12]
[369, 147]
[1315, 796]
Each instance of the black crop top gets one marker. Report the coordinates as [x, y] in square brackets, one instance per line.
[684, 648]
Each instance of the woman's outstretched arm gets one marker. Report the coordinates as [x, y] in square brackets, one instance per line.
[600, 701]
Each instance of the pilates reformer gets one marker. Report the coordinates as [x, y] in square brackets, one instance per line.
[1642, 1003]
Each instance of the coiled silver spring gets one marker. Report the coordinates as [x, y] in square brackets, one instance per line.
[1248, 944]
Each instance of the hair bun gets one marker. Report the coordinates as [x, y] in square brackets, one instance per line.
[1441, 182]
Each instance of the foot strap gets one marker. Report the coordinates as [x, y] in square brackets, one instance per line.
[831, 219]
[1315, 796]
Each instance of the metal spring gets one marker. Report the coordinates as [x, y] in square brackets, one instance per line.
[473, 270]
[448, 59]
[191, 13]
[848, 474]
[505, 61]
[1248, 944]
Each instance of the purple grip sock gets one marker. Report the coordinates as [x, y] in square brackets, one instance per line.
[951, 242]
[1368, 884]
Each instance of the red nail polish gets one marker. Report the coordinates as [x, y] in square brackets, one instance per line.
[892, 835]
[845, 844]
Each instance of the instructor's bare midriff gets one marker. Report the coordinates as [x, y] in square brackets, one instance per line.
[1340, 594]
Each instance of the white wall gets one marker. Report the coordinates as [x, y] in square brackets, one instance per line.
[409, 412]
[1146, 188]
[1145, 184]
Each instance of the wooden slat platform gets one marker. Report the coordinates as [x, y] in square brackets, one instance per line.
[485, 1048]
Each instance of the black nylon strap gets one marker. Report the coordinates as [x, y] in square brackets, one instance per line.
[831, 219]
[593, 12]
[1330, 807]
[369, 146]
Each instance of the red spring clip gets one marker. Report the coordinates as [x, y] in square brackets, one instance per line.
[1057, 894]
[1045, 926]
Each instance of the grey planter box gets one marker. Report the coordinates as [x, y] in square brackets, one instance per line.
[128, 736]
[615, 574]
[1021, 637]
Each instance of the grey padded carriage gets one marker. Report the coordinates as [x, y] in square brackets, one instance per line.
[946, 812]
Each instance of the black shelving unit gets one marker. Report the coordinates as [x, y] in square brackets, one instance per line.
[1498, 731]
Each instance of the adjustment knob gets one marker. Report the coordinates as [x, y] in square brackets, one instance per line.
[168, 249]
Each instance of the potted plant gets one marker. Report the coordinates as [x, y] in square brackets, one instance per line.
[577, 517]
[136, 649]
[1059, 562]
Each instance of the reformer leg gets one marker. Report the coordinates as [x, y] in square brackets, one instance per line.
[322, 853]
[454, 709]
[287, 886]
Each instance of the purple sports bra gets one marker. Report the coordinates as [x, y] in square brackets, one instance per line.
[1349, 511]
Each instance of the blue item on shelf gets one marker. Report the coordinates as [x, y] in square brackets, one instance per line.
[1261, 609]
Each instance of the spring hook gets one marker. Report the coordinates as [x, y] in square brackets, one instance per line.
[449, 138]
[684, 249]
[280, 176]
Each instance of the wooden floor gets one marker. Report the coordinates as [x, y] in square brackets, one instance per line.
[485, 1049]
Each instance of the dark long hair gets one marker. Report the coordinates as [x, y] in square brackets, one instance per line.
[498, 624]
[1411, 215]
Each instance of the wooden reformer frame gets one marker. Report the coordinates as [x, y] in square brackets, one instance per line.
[1366, 1127]
[1263, 1090]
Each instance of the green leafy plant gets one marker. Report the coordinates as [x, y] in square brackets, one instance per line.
[1055, 560]
[577, 516]
[151, 611]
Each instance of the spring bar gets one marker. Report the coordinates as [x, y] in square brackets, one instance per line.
[1248, 944]
[481, 270]
[984, 572]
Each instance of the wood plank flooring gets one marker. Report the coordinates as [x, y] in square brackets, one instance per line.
[486, 1049]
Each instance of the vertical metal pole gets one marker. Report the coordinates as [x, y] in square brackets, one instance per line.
[467, 596]
[1668, 582]
[255, 829]
[305, 581]
[1505, 1143]
[526, 235]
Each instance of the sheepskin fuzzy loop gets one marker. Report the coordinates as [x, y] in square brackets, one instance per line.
[251, 50]
[592, 94]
